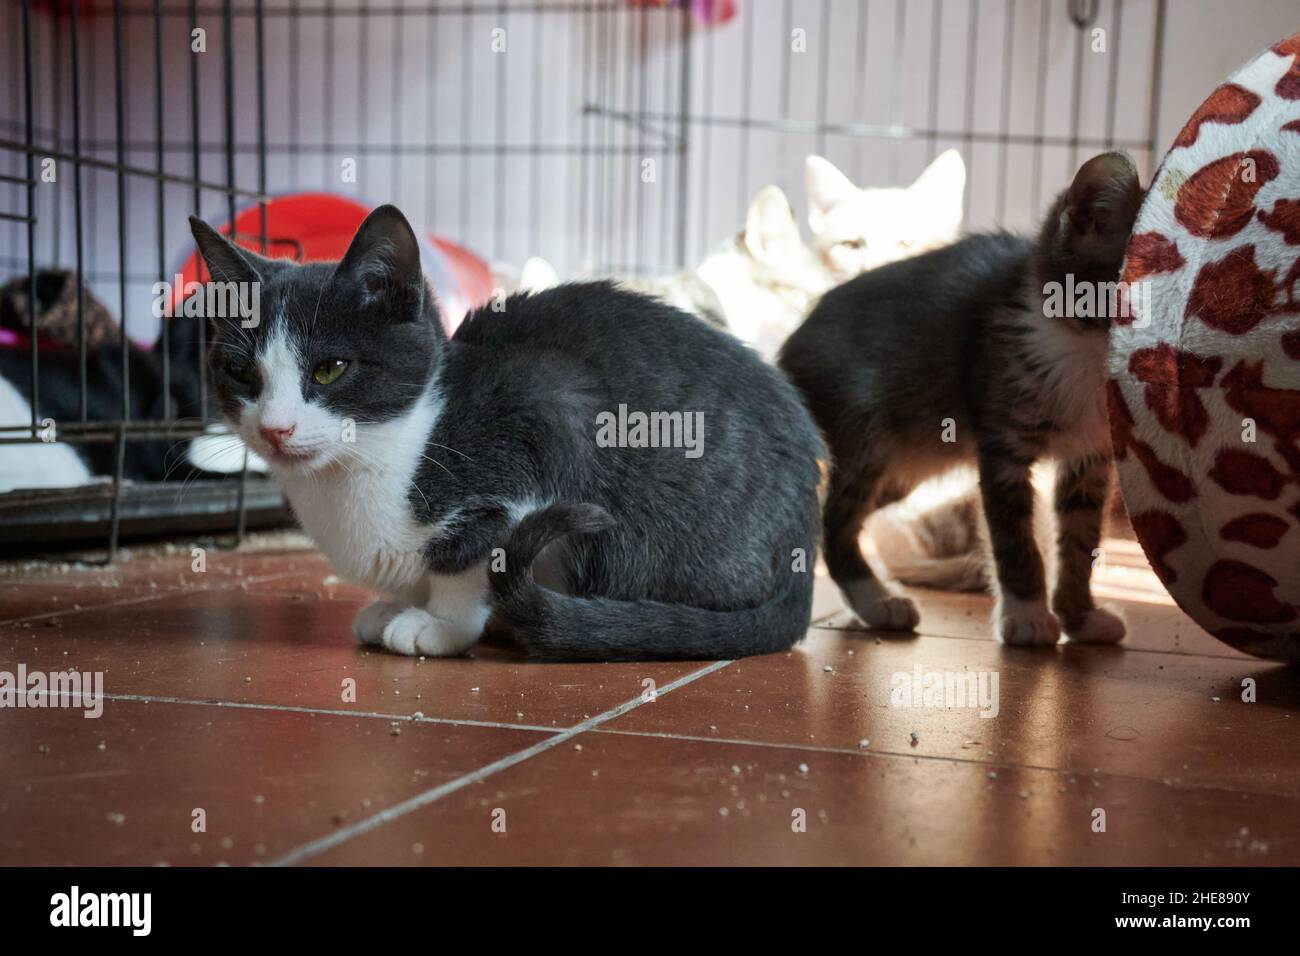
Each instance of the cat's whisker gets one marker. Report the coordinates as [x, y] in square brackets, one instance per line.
[452, 450]
[439, 464]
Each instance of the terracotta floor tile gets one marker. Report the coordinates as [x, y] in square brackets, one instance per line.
[1123, 578]
[73, 588]
[1070, 708]
[1183, 778]
[244, 645]
[39, 603]
[653, 801]
[1152, 625]
[267, 780]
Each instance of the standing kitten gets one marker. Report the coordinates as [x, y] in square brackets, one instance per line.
[439, 470]
[952, 357]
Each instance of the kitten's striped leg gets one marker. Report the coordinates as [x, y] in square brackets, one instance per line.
[1081, 489]
[1021, 615]
[853, 495]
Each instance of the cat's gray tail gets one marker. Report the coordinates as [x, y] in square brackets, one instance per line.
[561, 627]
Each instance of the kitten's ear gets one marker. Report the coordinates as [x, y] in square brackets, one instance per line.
[1101, 205]
[943, 181]
[826, 187]
[226, 261]
[770, 226]
[384, 260]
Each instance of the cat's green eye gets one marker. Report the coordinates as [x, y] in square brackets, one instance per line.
[328, 371]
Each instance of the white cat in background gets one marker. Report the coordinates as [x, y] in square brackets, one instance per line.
[855, 229]
[759, 284]
[766, 277]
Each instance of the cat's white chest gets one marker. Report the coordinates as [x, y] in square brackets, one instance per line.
[359, 513]
[365, 526]
[1075, 395]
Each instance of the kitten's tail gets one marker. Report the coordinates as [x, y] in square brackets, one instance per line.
[558, 627]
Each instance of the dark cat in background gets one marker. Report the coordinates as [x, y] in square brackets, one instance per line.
[447, 473]
[952, 357]
[59, 370]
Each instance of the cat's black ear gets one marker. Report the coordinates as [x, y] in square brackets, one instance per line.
[226, 261]
[384, 260]
[1101, 206]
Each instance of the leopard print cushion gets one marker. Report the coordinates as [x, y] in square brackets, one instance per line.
[1205, 387]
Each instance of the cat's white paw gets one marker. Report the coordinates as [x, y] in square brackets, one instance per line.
[877, 608]
[368, 626]
[416, 631]
[1025, 623]
[1103, 625]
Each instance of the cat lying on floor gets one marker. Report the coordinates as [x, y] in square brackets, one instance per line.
[58, 465]
[957, 357]
[757, 285]
[478, 475]
[760, 283]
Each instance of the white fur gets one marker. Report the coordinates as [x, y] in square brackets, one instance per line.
[766, 278]
[859, 229]
[537, 275]
[42, 465]
[1103, 625]
[351, 498]
[1024, 623]
[1076, 391]
[220, 452]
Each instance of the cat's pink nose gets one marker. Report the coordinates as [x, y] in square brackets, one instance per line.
[275, 437]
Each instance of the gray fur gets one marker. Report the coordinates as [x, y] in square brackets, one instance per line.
[663, 556]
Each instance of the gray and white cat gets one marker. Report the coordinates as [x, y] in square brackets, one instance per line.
[953, 357]
[446, 472]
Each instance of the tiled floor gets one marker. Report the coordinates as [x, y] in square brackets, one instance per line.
[242, 725]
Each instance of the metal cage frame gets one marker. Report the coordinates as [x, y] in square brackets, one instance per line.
[618, 124]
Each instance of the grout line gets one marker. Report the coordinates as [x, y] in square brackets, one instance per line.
[296, 709]
[990, 764]
[344, 834]
[162, 591]
[72, 611]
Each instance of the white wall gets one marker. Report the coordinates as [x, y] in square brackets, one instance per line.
[1205, 40]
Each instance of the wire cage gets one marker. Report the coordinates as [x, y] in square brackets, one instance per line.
[611, 137]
